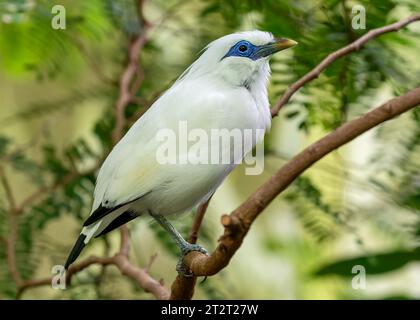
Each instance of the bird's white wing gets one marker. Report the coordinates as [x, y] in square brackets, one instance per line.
[130, 169]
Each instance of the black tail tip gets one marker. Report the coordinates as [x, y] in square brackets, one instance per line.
[75, 252]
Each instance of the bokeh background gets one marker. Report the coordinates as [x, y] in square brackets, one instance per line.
[358, 206]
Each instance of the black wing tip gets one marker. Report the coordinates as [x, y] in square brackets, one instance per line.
[100, 212]
[119, 221]
[75, 252]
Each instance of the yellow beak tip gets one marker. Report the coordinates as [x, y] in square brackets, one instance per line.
[284, 43]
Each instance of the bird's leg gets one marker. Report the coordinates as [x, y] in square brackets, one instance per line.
[185, 246]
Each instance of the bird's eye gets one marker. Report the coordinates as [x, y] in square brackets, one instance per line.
[243, 48]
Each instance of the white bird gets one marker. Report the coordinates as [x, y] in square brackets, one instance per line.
[225, 88]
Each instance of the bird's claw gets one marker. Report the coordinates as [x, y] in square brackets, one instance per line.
[180, 267]
[192, 247]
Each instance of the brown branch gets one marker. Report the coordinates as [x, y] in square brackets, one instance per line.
[125, 241]
[8, 190]
[74, 269]
[132, 77]
[152, 260]
[11, 254]
[239, 221]
[32, 284]
[144, 280]
[187, 284]
[198, 220]
[120, 260]
[10, 249]
[354, 46]
[125, 93]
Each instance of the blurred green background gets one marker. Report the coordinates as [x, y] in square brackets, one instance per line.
[358, 206]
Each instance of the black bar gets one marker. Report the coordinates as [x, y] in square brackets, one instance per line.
[202, 309]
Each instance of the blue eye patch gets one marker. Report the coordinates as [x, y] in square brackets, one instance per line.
[244, 49]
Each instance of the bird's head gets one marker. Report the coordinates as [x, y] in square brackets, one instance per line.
[239, 58]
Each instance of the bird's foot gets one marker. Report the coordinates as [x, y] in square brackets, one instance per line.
[185, 249]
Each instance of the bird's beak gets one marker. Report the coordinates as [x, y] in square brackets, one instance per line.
[276, 46]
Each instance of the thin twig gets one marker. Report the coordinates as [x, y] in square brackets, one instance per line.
[121, 261]
[125, 241]
[132, 77]
[152, 260]
[354, 46]
[198, 220]
[8, 190]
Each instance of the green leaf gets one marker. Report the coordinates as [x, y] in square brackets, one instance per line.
[412, 201]
[292, 114]
[4, 143]
[373, 264]
[303, 126]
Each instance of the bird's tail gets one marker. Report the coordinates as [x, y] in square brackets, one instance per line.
[84, 237]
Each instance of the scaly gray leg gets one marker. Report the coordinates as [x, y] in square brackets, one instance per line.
[185, 246]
